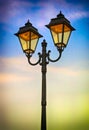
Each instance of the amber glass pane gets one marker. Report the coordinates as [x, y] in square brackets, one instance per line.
[66, 28]
[25, 44]
[66, 37]
[67, 32]
[25, 36]
[34, 40]
[33, 36]
[28, 41]
[57, 28]
[33, 44]
[55, 37]
[60, 37]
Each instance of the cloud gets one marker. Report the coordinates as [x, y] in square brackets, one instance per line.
[12, 8]
[11, 78]
[41, 12]
[13, 71]
[78, 15]
[17, 73]
[16, 70]
[21, 91]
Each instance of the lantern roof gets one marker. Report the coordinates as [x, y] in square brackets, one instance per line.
[60, 19]
[28, 27]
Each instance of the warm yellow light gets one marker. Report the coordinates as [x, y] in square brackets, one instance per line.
[28, 41]
[57, 28]
[60, 34]
[66, 28]
[25, 36]
[34, 36]
[28, 36]
[60, 29]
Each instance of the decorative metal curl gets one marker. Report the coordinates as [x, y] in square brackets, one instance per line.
[44, 58]
[29, 59]
[60, 53]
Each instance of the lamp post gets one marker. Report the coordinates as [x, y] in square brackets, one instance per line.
[28, 35]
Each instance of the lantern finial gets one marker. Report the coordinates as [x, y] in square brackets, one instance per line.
[60, 15]
[28, 23]
[60, 12]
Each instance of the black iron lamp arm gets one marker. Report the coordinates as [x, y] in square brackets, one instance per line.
[44, 57]
[59, 56]
[29, 59]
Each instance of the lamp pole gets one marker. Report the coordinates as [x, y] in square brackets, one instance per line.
[43, 99]
[28, 35]
[43, 60]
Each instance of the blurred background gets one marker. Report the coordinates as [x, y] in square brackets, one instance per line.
[67, 80]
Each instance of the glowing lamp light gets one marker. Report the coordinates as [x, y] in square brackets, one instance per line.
[28, 36]
[60, 29]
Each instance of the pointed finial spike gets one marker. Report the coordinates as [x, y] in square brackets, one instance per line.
[60, 12]
[28, 23]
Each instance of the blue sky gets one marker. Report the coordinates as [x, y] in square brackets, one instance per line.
[67, 80]
[15, 14]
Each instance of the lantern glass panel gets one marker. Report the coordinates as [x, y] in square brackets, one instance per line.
[24, 44]
[34, 41]
[24, 40]
[57, 28]
[67, 32]
[34, 44]
[56, 31]
[25, 36]
[28, 41]
[55, 37]
[59, 37]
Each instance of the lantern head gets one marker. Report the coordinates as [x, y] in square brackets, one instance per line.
[28, 36]
[60, 29]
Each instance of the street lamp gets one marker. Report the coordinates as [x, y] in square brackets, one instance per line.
[28, 35]
[60, 29]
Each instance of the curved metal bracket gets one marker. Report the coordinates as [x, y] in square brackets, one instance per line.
[29, 59]
[60, 52]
